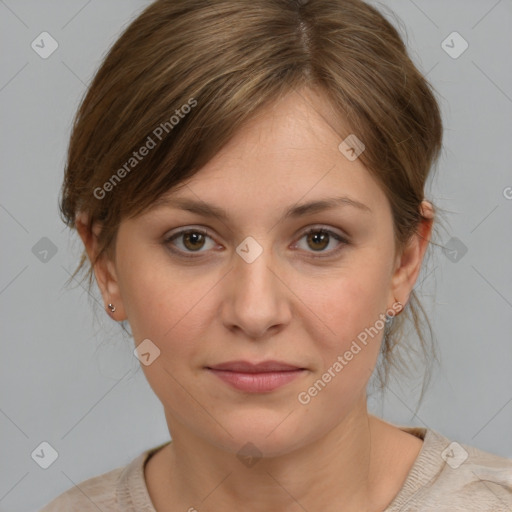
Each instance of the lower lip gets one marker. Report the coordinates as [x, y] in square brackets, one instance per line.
[257, 382]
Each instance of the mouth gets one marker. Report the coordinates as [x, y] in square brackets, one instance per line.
[256, 377]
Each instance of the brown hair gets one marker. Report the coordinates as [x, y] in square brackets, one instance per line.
[232, 58]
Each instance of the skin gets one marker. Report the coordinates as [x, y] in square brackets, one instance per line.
[329, 454]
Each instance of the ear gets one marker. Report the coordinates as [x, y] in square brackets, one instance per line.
[104, 268]
[408, 264]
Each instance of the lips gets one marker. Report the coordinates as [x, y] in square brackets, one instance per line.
[248, 367]
[256, 377]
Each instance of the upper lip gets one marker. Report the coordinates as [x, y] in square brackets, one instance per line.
[248, 367]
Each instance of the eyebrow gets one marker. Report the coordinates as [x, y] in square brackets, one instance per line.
[209, 210]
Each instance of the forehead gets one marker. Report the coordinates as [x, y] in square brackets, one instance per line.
[285, 156]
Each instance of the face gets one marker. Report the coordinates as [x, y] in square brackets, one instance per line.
[256, 285]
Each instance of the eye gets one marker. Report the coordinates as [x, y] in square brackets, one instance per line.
[192, 241]
[319, 238]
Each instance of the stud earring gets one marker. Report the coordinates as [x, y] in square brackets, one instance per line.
[111, 307]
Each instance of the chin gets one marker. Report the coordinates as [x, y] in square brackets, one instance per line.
[262, 434]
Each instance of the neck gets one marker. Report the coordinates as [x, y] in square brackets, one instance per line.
[343, 470]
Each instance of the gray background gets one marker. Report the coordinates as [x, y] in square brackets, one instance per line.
[68, 375]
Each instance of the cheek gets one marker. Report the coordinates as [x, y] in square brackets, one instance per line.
[350, 305]
[169, 305]
[350, 308]
[170, 309]
[347, 302]
[160, 303]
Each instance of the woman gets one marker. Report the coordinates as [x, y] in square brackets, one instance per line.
[248, 178]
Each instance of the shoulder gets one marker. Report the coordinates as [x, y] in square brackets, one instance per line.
[453, 476]
[98, 492]
[106, 492]
[474, 478]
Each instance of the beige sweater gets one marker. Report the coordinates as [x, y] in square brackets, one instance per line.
[446, 476]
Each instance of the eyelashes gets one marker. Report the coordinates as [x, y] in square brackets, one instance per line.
[169, 240]
[331, 234]
[199, 236]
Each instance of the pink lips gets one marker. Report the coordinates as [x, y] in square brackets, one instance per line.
[256, 378]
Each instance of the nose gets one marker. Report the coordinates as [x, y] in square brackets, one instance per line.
[256, 300]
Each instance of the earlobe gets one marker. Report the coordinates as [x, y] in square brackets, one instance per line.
[103, 268]
[105, 273]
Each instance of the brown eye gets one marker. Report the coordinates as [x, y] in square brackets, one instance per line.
[318, 239]
[192, 241]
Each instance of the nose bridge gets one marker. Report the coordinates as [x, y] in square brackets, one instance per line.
[256, 301]
[252, 268]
